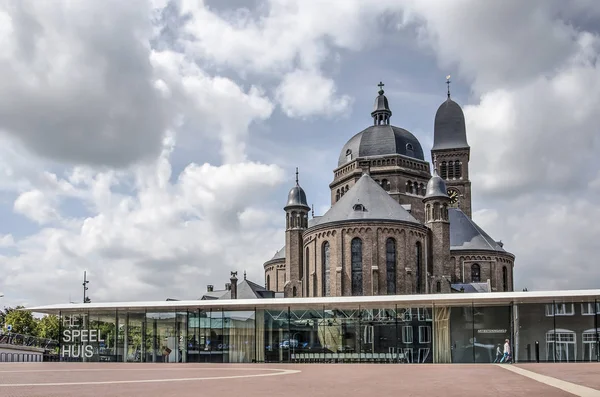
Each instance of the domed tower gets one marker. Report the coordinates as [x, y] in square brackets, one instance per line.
[393, 156]
[451, 152]
[296, 222]
[437, 220]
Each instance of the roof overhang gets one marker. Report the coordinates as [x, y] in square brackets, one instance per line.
[347, 302]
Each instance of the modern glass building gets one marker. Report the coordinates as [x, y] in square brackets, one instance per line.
[552, 326]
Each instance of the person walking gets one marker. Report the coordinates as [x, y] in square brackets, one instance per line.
[506, 355]
[499, 354]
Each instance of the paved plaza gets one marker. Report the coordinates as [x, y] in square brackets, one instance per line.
[331, 380]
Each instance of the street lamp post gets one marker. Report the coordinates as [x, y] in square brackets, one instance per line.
[85, 288]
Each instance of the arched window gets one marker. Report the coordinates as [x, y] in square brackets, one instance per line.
[419, 260]
[348, 155]
[451, 170]
[457, 169]
[325, 264]
[294, 293]
[444, 170]
[301, 271]
[504, 278]
[307, 272]
[385, 184]
[390, 265]
[356, 265]
[561, 345]
[337, 195]
[438, 287]
[409, 187]
[268, 282]
[421, 190]
[475, 273]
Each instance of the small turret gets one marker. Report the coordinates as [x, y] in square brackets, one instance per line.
[296, 215]
[381, 113]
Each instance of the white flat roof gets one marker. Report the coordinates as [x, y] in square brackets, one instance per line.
[379, 301]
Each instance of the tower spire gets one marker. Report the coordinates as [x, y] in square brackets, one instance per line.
[448, 83]
[297, 184]
[380, 85]
[312, 210]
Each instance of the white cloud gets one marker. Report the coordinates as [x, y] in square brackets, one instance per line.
[36, 206]
[164, 238]
[304, 93]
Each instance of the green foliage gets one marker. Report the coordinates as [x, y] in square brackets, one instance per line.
[48, 327]
[22, 322]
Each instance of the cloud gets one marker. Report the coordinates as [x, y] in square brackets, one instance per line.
[303, 93]
[217, 108]
[163, 238]
[77, 83]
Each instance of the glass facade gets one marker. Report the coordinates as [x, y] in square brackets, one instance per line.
[555, 331]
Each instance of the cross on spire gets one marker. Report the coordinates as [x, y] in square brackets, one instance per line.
[380, 85]
[297, 176]
[448, 83]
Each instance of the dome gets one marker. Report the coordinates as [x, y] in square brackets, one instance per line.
[296, 196]
[380, 140]
[436, 187]
[449, 130]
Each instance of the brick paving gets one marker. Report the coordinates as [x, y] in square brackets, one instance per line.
[330, 380]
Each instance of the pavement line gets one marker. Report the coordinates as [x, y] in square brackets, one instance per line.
[111, 382]
[573, 388]
[138, 369]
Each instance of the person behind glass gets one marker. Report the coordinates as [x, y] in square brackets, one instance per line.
[506, 355]
[499, 353]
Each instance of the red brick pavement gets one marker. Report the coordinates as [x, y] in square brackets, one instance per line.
[330, 380]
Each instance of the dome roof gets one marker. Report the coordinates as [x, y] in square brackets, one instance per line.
[297, 197]
[436, 187]
[380, 140]
[449, 131]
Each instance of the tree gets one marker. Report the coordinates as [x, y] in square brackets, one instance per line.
[3, 314]
[48, 327]
[22, 322]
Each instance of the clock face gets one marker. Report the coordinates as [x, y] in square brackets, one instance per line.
[453, 194]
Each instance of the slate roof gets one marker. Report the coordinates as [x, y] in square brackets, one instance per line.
[436, 187]
[279, 254]
[449, 131]
[379, 140]
[366, 200]
[246, 289]
[297, 197]
[466, 235]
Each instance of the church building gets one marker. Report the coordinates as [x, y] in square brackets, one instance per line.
[397, 225]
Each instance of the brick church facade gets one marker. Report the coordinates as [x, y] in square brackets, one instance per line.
[397, 225]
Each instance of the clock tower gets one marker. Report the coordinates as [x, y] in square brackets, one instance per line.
[451, 153]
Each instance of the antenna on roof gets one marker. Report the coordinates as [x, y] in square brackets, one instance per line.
[244, 274]
[448, 83]
[312, 210]
[296, 176]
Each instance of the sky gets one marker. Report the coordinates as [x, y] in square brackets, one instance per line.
[152, 143]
